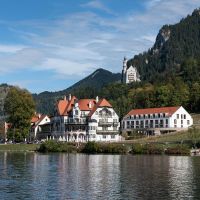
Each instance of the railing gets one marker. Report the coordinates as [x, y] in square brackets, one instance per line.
[105, 123]
[107, 132]
[115, 124]
[75, 122]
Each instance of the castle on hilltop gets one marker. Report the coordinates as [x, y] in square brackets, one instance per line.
[129, 74]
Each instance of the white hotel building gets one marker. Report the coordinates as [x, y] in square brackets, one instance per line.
[155, 121]
[81, 120]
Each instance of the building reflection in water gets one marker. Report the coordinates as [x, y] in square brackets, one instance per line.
[180, 177]
[80, 176]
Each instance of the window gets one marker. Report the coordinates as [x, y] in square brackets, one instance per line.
[104, 128]
[181, 116]
[104, 136]
[76, 112]
[184, 116]
[128, 123]
[181, 121]
[177, 116]
[188, 122]
[115, 120]
[175, 121]
[166, 121]
[96, 113]
[94, 136]
[112, 136]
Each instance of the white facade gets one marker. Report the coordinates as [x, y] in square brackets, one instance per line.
[104, 125]
[129, 74]
[151, 121]
[87, 120]
[36, 127]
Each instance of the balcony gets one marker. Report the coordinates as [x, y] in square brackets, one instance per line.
[115, 124]
[105, 123]
[73, 121]
[107, 132]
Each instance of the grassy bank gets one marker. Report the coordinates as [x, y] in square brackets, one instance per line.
[156, 148]
[90, 147]
[19, 147]
[170, 144]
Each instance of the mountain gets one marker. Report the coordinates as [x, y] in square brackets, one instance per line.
[173, 46]
[4, 88]
[85, 88]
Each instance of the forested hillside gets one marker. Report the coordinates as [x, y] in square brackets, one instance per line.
[170, 71]
[170, 74]
[174, 45]
[86, 88]
[4, 88]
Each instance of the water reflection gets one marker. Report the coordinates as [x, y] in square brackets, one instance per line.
[78, 176]
[181, 177]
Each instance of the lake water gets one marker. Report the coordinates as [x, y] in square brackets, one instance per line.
[79, 176]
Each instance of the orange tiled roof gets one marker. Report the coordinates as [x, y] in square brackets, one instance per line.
[169, 110]
[101, 103]
[34, 119]
[62, 104]
[69, 105]
[84, 104]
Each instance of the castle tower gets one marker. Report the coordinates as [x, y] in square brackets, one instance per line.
[129, 74]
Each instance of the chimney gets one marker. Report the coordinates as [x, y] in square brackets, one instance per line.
[70, 97]
[97, 99]
[90, 104]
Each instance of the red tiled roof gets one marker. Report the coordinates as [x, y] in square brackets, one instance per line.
[169, 110]
[69, 105]
[34, 119]
[62, 106]
[101, 103]
[41, 118]
[84, 104]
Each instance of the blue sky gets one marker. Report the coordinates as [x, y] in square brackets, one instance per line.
[47, 45]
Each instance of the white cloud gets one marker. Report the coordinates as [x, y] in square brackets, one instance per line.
[78, 43]
[10, 48]
[96, 4]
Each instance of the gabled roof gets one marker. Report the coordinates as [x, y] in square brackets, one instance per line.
[39, 119]
[61, 106]
[101, 103]
[34, 119]
[64, 106]
[69, 105]
[84, 104]
[169, 110]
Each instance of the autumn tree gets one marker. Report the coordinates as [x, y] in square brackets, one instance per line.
[19, 107]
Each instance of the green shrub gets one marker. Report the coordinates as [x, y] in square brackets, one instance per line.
[54, 146]
[178, 150]
[147, 149]
[109, 148]
[91, 147]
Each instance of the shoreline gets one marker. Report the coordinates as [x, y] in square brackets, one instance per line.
[100, 148]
